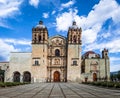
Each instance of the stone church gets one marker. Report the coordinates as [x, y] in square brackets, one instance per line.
[56, 59]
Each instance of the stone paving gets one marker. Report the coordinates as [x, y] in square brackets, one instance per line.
[57, 90]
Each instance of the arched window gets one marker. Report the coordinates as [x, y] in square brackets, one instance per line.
[57, 52]
[39, 38]
[35, 39]
[43, 37]
[74, 39]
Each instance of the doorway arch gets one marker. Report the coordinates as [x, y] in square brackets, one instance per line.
[16, 77]
[94, 77]
[26, 76]
[56, 76]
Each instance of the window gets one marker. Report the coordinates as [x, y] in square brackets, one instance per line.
[74, 39]
[36, 62]
[39, 38]
[57, 52]
[78, 39]
[43, 37]
[35, 39]
[74, 62]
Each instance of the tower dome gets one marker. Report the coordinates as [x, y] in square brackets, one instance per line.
[74, 26]
[40, 25]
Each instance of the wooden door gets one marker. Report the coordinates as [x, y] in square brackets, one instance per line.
[94, 77]
[56, 76]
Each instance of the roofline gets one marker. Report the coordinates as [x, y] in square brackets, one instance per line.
[4, 62]
[20, 52]
[57, 36]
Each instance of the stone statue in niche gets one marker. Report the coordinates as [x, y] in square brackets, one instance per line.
[57, 42]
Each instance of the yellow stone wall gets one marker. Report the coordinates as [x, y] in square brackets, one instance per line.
[39, 72]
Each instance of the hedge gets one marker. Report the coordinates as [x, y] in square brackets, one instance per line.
[9, 84]
[105, 84]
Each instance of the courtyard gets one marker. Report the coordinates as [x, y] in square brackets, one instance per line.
[58, 90]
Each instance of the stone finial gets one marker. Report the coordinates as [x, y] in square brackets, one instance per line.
[74, 23]
[40, 22]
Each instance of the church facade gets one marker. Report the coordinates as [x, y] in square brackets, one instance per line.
[56, 59]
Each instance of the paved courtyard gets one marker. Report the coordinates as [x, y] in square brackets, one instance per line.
[57, 90]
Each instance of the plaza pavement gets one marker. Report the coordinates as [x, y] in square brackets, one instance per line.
[58, 90]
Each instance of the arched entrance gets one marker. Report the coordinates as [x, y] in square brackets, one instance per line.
[94, 77]
[16, 77]
[2, 72]
[56, 76]
[26, 77]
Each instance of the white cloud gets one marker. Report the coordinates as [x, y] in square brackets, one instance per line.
[10, 45]
[106, 35]
[91, 24]
[114, 64]
[68, 4]
[112, 45]
[90, 35]
[64, 20]
[34, 2]
[18, 42]
[8, 8]
[114, 68]
[53, 12]
[5, 49]
[45, 15]
[112, 59]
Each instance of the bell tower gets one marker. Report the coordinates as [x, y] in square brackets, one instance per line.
[105, 53]
[39, 52]
[106, 60]
[73, 52]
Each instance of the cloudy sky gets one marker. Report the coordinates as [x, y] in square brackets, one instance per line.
[99, 20]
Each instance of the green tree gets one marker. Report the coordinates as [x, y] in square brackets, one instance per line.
[118, 75]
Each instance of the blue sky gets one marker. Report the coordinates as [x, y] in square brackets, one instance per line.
[99, 20]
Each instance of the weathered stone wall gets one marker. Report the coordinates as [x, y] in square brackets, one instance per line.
[39, 72]
[4, 66]
[20, 62]
[73, 71]
[96, 66]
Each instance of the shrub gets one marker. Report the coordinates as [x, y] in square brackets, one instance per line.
[117, 85]
[9, 84]
[105, 84]
[2, 84]
[110, 84]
